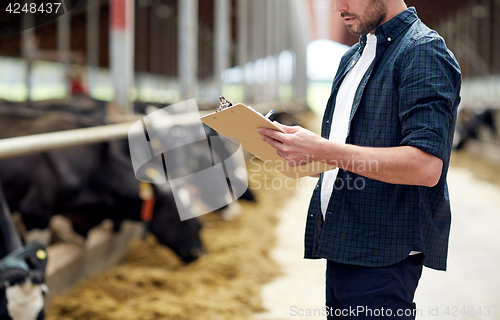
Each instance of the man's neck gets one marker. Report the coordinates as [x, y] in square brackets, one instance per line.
[394, 8]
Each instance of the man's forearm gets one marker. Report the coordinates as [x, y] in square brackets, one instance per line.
[397, 165]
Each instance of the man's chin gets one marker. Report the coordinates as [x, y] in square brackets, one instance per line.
[354, 31]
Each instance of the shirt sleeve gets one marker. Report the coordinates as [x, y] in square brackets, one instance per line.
[429, 95]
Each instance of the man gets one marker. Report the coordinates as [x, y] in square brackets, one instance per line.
[388, 127]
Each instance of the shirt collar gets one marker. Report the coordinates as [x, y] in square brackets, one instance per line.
[388, 31]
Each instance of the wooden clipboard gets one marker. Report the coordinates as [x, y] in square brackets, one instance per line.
[242, 122]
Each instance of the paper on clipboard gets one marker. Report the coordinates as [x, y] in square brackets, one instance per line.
[241, 122]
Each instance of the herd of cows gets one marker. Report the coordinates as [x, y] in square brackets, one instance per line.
[87, 184]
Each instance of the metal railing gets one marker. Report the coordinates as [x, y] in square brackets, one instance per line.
[30, 144]
[20, 146]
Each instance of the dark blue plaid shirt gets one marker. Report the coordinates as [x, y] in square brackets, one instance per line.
[408, 97]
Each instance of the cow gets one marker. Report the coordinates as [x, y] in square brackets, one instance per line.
[83, 106]
[22, 288]
[469, 124]
[209, 149]
[87, 183]
[22, 272]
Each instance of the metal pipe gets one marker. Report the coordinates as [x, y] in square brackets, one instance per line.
[222, 39]
[64, 35]
[243, 47]
[122, 52]
[93, 18]
[299, 43]
[496, 35]
[25, 145]
[188, 48]
[28, 48]
[21, 146]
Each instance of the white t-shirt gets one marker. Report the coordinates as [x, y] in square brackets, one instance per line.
[343, 107]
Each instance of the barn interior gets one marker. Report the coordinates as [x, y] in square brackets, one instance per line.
[105, 62]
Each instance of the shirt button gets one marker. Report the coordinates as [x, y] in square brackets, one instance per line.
[389, 39]
[354, 62]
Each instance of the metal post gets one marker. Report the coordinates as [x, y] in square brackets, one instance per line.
[486, 32]
[222, 48]
[142, 42]
[276, 47]
[188, 48]
[64, 34]
[281, 37]
[243, 22]
[272, 39]
[258, 43]
[457, 36]
[496, 35]
[473, 38]
[28, 48]
[122, 52]
[299, 47]
[64, 40]
[154, 26]
[323, 20]
[466, 33]
[93, 21]
[93, 33]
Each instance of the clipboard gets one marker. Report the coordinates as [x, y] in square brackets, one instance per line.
[241, 122]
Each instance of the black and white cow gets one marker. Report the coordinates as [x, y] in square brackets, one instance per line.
[470, 123]
[88, 183]
[22, 272]
[22, 288]
[203, 148]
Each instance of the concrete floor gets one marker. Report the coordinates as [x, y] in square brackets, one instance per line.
[470, 289]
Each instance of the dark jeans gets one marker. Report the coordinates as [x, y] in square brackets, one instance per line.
[354, 292]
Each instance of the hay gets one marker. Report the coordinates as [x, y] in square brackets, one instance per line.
[153, 283]
[481, 167]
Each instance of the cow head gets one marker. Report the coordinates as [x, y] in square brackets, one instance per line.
[22, 288]
[183, 237]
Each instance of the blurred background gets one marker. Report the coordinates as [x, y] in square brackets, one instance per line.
[249, 50]
[165, 51]
[112, 58]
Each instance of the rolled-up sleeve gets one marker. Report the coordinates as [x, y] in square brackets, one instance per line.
[429, 95]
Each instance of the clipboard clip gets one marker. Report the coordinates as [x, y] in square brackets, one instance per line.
[224, 103]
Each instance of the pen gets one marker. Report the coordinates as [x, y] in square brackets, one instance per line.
[269, 114]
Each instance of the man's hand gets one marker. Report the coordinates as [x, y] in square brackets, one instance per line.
[297, 145]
